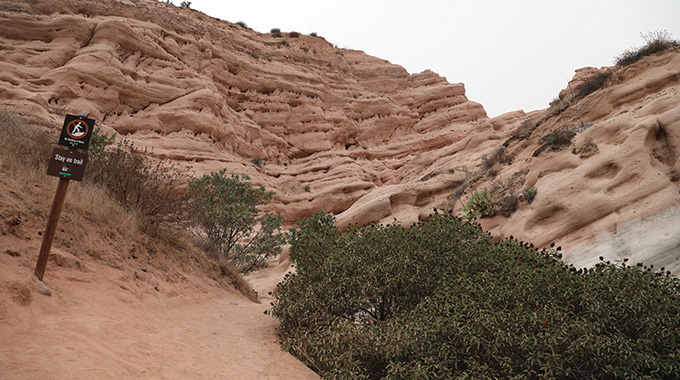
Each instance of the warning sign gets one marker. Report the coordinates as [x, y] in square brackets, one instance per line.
[76, 132]
[67, 164]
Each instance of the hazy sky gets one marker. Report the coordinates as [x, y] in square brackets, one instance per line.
[509, 54]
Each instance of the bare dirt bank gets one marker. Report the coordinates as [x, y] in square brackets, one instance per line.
[108, 323]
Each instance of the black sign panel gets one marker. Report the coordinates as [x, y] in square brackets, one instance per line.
[67, 164]
[76, 132]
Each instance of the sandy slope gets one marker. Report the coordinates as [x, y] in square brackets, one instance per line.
[107, 323]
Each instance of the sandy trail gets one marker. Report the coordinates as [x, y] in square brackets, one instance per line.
[108, 323]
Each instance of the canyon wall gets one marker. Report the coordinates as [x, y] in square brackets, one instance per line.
[338, 130]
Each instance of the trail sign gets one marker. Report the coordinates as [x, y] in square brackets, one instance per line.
[67, 164]
[76, 132]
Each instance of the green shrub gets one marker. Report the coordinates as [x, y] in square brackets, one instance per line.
[478, 204]
[443, 301]
[529, 194]
[242, 24]
[276, 32]
[226, 208]
[654, 42]
[293, 34]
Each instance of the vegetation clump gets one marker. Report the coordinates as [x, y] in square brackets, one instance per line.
[257, 161]
[588, 149]
[276, 33]
[654, 42]
[593, 84]
[523, 132]
[151, 189]
[443, 301]
[529, 194]
[226, 208]
[22, 145]
[478, 204]
[555, 140]
[494, 157]
[133, 202]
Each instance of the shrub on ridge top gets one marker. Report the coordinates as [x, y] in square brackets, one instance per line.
[654, 42]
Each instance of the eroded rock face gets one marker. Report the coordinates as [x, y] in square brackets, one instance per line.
[339, 130]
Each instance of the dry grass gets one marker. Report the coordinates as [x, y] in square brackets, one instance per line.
[655, 42]
[107, 213]
[23, 147]
[229, 270]
[494, 157]
[226, 268]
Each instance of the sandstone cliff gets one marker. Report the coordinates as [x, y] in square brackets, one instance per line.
[339, 130]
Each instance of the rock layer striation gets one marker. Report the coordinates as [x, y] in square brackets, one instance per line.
[354, 135]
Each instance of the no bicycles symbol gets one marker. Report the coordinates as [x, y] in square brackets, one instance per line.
[76, 132]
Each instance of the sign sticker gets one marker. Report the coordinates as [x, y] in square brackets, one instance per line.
[67, 164]
[76, 132]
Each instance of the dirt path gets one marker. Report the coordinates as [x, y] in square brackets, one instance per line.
[106, 323]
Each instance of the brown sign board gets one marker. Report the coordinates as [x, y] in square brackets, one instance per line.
[67, 164]
[76, 132]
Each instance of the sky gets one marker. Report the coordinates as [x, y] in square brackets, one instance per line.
[510, 55]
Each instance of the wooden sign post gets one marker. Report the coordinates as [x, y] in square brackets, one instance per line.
[67, 165]
[51, 228]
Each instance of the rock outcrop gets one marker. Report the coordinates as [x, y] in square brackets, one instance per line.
[351, 134]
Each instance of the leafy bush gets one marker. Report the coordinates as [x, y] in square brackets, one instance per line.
[478, 204]
[294, 34]
[654, 42]
[242, 24]
[151, 189]
[226, 208]
[442, 301]
[276, 32]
